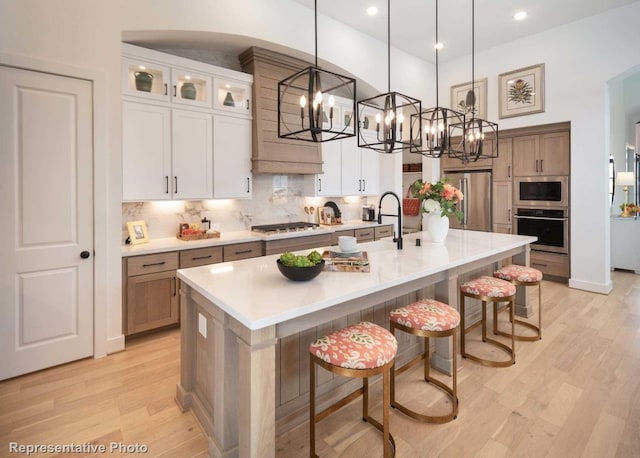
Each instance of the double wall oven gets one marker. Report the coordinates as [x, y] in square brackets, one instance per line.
[542, 210]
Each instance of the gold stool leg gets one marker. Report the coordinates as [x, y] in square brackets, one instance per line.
[463, 329]
[312, 410]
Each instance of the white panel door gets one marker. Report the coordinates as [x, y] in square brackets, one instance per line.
[231, 158]
[370, 170]
[146, 152]
[46, 183]
[192, 154]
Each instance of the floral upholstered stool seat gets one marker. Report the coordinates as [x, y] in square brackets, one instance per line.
[361, 350]
[521, 276]
[427, 318]
[488, 289]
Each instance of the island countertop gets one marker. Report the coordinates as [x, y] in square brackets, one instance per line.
[256, 294]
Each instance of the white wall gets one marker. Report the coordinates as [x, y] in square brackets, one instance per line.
[87, 34]
[579, 59]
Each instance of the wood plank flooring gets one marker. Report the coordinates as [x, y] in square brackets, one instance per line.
[575, 393]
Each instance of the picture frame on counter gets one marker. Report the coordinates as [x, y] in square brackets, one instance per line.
[138, 232]
[521, 91]
[459, 96]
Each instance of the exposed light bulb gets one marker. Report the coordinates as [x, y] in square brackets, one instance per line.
[441, 127]
[303, 101]
[142, 67]
[187, 77]
[438, 45]
[318, 98]
[378, 118]
[372, 10]
[392, 115]
[332, 101]
[400, 118]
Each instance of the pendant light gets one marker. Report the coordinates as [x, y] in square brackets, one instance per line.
[481, 136]
[384, 119]
[438, 124]
[307, 102]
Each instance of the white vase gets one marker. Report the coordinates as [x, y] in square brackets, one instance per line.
[437, 226]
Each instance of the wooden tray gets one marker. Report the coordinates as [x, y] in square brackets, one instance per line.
[191, 237]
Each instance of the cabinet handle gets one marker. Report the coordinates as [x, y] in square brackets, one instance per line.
[508, 171]
[166, 184]
[319, 184]
[539, 264]
[248, 104]
[359, 185]
[175, 286]
[165, 89]
[364, 185]
[175, 188]
[196, 258]
[509, 215]
[243, 251]
[154, 264]
[248, 184]
[541, 167]
[536, 166]
[365, 234]
[175, 91]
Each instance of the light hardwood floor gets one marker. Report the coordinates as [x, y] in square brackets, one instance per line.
[574, 393]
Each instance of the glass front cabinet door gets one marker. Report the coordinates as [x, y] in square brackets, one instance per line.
[232, 96]
[190, 88]
[145, 79]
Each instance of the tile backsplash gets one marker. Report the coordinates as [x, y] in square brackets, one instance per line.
[276, 199]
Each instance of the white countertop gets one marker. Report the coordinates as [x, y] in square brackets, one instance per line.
[173, 244]
[255, 293]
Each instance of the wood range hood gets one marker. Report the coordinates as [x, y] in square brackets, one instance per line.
[270, 153]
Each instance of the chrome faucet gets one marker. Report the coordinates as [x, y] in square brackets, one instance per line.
[397, 239]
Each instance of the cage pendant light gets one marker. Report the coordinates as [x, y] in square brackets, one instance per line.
[438, 125]
[384, 120]
[481, 136]
[309, 102]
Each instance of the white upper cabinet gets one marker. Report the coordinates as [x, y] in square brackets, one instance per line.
[232, 96]
[360, 169]
[232, 158]
[166, 154]
[184, 124]
[328, 183]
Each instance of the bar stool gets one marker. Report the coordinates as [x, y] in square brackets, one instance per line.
[488, 289]
[521, 276]
[361, 350]
[427, 318]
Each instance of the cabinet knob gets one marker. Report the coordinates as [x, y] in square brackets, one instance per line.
[85, 254]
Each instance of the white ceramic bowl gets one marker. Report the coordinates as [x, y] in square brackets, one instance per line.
[347, 244]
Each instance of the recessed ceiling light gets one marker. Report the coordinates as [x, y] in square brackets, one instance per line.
[520, 15]
[438, 45]
[372, 10]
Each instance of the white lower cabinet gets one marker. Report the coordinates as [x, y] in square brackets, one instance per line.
[232, 158]
[167, 153]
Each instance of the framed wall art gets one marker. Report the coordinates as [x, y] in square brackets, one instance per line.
[521, 91]
[459, 96]
[137, 232]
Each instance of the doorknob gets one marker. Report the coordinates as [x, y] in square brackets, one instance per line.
[85, 254]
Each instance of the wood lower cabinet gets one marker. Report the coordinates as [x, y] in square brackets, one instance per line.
[200, 257]
[346, 232]
[553, 264]
[365, 234]
[296, 243]
[380, 232]
[151, 299]
[238, 251]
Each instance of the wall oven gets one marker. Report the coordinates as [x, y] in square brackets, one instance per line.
[551, 191]
[550, 225]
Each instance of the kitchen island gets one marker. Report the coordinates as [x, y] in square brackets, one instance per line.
[235, 314]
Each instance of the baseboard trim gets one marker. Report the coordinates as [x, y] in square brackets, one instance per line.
[115, 344]
[600, 288]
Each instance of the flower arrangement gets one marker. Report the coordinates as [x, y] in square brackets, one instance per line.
[439, 196]
[629, 209]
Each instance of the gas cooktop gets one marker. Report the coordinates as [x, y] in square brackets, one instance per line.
[296, 226]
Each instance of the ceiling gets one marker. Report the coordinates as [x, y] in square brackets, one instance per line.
[413, 21]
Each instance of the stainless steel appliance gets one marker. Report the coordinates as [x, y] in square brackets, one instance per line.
[552, 191]
[368, 213]
[296, 226]
[550, 225]
[476, 205]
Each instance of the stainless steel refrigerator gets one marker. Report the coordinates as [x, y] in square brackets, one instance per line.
[476, 205]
